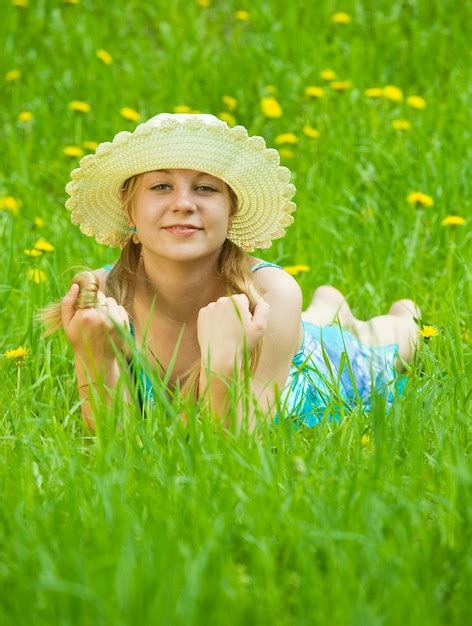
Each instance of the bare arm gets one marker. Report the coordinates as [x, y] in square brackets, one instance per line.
[281, 340]
[90, 378]
[279, 327]
[93, 336]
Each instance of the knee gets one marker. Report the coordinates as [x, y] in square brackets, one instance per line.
[329, 293]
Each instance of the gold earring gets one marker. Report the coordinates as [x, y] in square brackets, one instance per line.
[132, 229]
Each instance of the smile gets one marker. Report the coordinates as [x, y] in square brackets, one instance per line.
[182, 231]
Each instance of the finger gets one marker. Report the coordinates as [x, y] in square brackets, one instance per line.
[116, 313]
[67, 304]
[110, 311]
[101, 297]
[124, 315]
[240, 297]
[240, 303]
[260, 317]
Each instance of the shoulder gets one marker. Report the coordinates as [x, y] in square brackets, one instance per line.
[275, 283]
[281, 340]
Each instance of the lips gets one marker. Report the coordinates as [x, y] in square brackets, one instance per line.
[182, 226]
[182, 230]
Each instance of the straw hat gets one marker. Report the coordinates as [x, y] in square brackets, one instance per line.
[185, 141]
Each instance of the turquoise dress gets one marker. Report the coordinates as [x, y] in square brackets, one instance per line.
[331, 369]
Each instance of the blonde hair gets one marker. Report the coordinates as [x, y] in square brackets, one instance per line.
[233, 269]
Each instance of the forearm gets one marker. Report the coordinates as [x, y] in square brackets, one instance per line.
[95, 379]
[215, 387]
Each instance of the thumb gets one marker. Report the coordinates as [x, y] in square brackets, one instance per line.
[67, 304]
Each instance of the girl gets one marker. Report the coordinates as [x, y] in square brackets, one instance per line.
[186, 198]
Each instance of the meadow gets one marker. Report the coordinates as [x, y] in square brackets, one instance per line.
[365, 522]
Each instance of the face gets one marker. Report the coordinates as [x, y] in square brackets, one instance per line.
[181, 214]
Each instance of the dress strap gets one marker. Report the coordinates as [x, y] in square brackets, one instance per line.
[262, 264]
[108, 267]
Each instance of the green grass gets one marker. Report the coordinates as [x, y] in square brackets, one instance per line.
[367, 522]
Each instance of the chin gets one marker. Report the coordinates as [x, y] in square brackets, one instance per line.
[182, 253]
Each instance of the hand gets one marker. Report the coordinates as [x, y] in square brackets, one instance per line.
[222, 326]
[92, 331]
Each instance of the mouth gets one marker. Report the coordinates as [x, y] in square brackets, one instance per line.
[181, 230]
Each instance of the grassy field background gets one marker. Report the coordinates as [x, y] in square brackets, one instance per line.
[367, 522]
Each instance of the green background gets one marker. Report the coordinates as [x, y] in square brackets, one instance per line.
[363, 522]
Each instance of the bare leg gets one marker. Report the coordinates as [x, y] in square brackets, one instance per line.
[327, 305]
[397, 327]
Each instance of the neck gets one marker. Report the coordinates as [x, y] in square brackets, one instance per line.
[178, 290]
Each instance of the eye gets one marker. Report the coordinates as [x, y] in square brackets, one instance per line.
[206, 188]
[160, 186]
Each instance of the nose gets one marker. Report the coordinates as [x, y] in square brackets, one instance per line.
[182, 200]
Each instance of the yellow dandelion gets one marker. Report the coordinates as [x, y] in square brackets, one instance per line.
[12, 75]
[365, 440]
[420, 199]
[428, 331]
[341, 85]
[392, 93]
[182, 108]
[272, 89]
[203, 3]
[228, 118]
[104, 56]
[417, 102]
[374, 92]
[10, 204]
[242, 16]
[130, 114]
[33, 253]
[453, 220]
[17, 355]
[38, 222]
[286, 138]
[328, 75]
[81, 107]
[43, 245]
[401, 124]
[270, 107]
[37, 276]
[90, 145]
[294, 270]
[286, 153]
[315, 92]
[341, 18]
[71, 1]
[73, 151]
[311, 132]
[20, 3]
[230, 102]
[25, 116]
